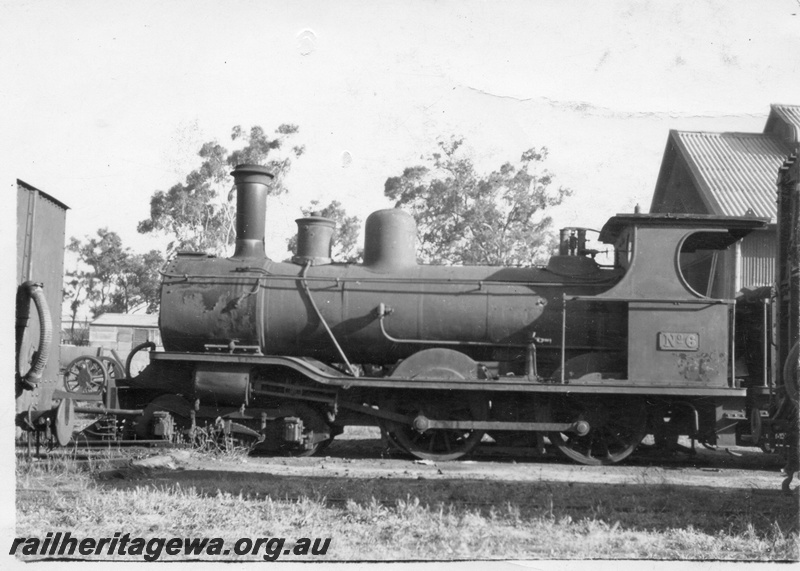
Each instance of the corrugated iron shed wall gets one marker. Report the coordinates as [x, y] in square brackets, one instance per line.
[758, 253]
[41, 225]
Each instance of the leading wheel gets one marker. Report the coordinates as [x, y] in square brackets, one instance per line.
[438, 445]
[85, 375]
[617, 426]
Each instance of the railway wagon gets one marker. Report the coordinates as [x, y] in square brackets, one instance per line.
[583, 357]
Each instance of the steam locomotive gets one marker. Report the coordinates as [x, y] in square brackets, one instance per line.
[586, 358]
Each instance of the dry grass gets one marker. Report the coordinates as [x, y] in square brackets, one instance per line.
[397, 519]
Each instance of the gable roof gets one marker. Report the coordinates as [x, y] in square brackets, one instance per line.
[733, 172]
[788, 114]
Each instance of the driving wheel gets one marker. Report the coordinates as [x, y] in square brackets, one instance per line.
[617, 426]
[437, 444]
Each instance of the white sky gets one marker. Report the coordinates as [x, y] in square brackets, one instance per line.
[102, 104]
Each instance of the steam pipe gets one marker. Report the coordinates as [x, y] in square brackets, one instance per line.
[304, 283]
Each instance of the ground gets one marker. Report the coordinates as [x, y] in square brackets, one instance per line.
[377, 505]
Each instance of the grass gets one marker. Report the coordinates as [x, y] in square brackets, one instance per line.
[411, 519]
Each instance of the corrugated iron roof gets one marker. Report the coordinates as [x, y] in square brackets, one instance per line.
[789, 113]
[127, 320]
[735, 171]
[24, 184]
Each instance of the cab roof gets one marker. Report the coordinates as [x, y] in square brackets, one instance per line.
[737, 226]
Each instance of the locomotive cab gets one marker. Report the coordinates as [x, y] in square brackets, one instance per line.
[678, 334]
[680, 345]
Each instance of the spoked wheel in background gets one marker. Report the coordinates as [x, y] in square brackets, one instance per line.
[85, 375]
[437, 444]
[115, 370]
[618, 425]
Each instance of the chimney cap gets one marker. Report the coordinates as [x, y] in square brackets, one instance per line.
[252, 169]
[321, 220]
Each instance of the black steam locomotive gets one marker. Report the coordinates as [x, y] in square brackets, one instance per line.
[585, 358]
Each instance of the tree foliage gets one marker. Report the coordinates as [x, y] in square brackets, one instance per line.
[115, 279]
[466, 217]
[344, 244]
[200, 213]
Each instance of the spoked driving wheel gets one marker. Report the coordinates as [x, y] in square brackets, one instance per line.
[435, 443]
[617, 426]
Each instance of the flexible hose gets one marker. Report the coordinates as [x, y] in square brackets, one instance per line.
[146, 345]
[33, 291]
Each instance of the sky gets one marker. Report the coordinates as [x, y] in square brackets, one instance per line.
[109, 103]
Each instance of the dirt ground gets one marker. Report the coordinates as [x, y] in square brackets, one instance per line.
[379, 504]
[363, 455]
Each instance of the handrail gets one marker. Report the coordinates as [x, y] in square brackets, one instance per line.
[383, 310]
[708, 301]
[370, 279]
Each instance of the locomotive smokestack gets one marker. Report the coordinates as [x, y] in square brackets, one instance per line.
[251, 205]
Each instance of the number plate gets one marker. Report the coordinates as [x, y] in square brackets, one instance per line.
[678, 341]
